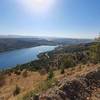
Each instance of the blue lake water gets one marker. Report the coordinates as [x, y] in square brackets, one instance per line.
[21, 56]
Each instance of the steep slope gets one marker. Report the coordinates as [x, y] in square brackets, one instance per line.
[82, 88]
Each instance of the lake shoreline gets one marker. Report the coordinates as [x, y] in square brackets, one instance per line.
[44, 47]
[22, 48]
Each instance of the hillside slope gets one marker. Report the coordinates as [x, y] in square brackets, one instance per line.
[81, 82]
[84, 87]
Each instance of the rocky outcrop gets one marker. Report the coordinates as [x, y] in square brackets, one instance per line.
[77, 89]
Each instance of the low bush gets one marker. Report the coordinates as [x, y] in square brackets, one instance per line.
[50, 74]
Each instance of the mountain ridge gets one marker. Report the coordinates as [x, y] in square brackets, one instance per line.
[16, 42]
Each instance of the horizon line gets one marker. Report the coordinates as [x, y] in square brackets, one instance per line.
[29, 36]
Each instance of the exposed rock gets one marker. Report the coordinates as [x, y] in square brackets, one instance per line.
[76, 89]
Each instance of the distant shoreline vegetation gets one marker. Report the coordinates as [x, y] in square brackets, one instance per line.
[8, 44]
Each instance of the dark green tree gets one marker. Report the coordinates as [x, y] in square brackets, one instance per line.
[50, 74]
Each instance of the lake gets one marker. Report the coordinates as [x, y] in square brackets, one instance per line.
[21, 56]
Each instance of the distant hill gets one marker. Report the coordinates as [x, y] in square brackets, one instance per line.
[11, 42]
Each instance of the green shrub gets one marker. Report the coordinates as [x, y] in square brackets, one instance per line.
[62, 69]
[50, 74]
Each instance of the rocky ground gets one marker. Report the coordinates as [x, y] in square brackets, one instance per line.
[85, 87]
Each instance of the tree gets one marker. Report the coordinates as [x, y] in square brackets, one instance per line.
[50, 74]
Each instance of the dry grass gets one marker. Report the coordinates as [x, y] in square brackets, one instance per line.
[33, 80]
[26, 84]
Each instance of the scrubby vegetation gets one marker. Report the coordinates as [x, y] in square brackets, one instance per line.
[62, 69]
[50, 74]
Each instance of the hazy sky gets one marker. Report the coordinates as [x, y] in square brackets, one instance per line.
[60, 18]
